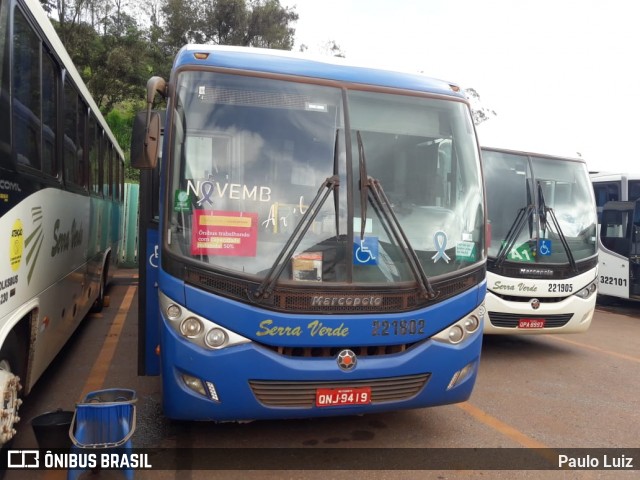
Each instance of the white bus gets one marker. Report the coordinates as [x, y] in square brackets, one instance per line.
[61, 190]
[618, 200]
[542, 262]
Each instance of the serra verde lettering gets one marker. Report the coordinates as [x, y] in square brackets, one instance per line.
[521, 287]
[315, 328]
[63, 241]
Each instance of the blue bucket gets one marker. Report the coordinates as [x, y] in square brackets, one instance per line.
[105, 419]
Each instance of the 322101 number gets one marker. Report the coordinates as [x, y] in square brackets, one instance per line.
[615, 281]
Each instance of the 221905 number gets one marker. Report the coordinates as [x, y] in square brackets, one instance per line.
[560, 288]
[397, 327]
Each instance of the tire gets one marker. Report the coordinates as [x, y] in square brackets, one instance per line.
[98, 305]
[11, 368]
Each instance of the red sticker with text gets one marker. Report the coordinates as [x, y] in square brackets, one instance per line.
[224, 233]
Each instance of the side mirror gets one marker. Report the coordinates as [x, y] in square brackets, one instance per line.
[147, 129]
[145, 142]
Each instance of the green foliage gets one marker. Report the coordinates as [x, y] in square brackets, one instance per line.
[116, 55]
[120, 120]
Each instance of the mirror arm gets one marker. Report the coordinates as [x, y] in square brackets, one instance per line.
[154, 85]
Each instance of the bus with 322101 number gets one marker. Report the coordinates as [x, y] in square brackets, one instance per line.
[314, 235]
[618, 201]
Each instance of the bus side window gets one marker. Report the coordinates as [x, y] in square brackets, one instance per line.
[613, 232]
[26, 93]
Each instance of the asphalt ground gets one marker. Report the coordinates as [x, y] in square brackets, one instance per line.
[541, 395]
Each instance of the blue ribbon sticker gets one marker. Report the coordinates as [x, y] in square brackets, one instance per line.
[440, 242]
[206, 190]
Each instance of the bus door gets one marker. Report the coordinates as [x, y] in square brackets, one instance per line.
[618, 258]
[634, 256]
[149, 258]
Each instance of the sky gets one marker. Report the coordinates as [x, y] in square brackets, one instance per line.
[563, 76]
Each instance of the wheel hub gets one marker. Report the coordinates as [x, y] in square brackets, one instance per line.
[10, 403]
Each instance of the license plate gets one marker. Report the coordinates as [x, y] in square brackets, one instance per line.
[329, 397]
[531, 323]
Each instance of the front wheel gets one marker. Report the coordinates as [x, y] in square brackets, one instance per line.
[99, 304]
[10, 388]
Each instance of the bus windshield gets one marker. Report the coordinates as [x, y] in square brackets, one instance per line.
[249, 156]
[541, 206]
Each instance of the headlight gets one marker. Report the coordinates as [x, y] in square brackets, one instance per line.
[173, 311]
[587, 291]
[197, 329]
[462, 329]
[191, 327]
[456, 334]
[471, 324]
[215, 338]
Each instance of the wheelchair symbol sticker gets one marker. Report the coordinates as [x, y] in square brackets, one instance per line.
[544, 247]
[365, 251]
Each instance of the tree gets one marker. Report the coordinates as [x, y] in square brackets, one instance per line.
[269, 25]
[333, 49]
[181, 23]
[479, 112]
[226, 21]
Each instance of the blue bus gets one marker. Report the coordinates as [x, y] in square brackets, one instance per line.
[314, 236]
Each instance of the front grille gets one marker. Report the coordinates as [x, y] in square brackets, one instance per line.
[541, 271]
[273, 393]
[303, 298]
[331, 352]
[511, 320]
[515, 298]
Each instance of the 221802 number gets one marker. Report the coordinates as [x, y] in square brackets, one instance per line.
[397, 327]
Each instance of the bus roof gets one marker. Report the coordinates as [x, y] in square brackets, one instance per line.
[36, 10]
[613, 176]
[534, 153]
[301, 64]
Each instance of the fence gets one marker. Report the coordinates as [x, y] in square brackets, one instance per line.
[128, 254]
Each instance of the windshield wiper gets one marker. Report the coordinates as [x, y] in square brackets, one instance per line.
[518, 224]
[336, 191]
[265, 288]
[364, 185]
[544, 210]
[373, 186]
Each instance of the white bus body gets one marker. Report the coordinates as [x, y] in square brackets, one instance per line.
[61, 190]
[617, 196]
[542, 261]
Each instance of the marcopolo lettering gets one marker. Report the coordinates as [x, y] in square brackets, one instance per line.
[536, 271]
[346, 301]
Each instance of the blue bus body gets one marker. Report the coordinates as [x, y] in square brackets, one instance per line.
[284, 362]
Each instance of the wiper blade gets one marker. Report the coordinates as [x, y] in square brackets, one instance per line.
[364, 185]
[384, 207]
[512, 235]
[265, 288]
[544, 210]
[373, 186]
[336, 191]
